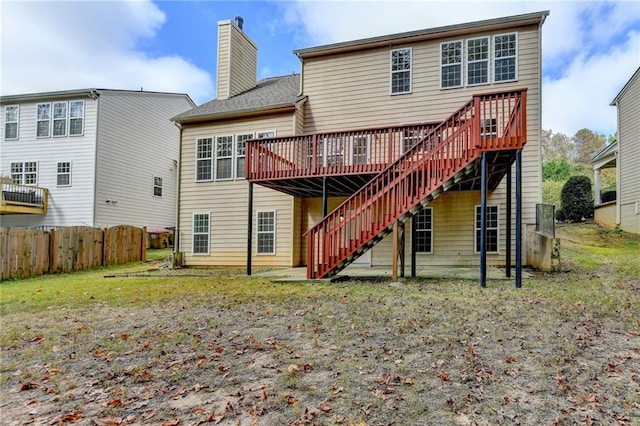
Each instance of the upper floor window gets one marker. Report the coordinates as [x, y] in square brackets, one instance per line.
[157, 186]
[240, 153]
[25, 173]
[478, 61]
[505, 53]
[63, 174]
[401, 71]
[11, 117]
[43, 120]
[204, 159]
[224, 157]
[59, 119]
[492, 229]
[451, 64]
[76, 118]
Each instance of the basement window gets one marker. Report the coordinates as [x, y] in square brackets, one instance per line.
[492, 229]
[266, 232]
[423, 225]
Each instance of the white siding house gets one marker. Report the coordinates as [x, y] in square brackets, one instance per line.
[106, 157]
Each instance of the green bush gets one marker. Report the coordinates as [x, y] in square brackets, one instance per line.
[576, 199]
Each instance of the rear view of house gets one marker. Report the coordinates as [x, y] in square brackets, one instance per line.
[91, 157]
[378, 144]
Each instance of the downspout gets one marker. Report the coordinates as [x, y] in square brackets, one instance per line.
[176, 233]
[618, 174]
[96, 97]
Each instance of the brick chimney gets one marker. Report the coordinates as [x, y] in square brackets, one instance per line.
[237, 59]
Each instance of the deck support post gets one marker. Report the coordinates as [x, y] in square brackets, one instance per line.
[394, 252]
[483, 221]
[413, 246]
[508, 234]
[324, 196]
[519, 218]
[249, 227]
[401, 246]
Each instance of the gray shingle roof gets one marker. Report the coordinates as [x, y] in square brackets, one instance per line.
[270, 92]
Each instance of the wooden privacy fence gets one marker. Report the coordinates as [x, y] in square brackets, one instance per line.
[28, 252]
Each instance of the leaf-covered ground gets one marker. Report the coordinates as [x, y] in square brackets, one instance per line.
[227, 349]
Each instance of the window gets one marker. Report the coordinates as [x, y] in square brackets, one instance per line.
[201, 233]
[157, 186]
[76, 118]
[60, 119]
[334, 152]
[204, 159]
[504, 57]
[489, 127]
[492, 229]
[451, 64]
[11, 116]
[410, 138]
[63, 175]
[424, 230]
[224, 157]
[25, 173]
[240, 153]
[267, 232]
[359, 150]
[401, 71]
[263, 135]
[478, 61]
[43, 120]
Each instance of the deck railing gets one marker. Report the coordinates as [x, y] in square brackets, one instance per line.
[332, 153]
[493, 121]
[16, 199]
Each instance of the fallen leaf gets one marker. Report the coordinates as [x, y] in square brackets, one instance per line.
[124, 336]
[290, 399]
[36, 338]
[28, 386]
[108, 421]
[443, 375]
[324, 407]
[173, 422]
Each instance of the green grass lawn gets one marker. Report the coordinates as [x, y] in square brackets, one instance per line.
[231, 349]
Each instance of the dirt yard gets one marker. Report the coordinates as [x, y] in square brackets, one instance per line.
[226, 349]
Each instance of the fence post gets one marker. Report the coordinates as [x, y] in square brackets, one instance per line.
[143, 245]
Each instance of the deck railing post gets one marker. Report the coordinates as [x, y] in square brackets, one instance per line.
[483, 221]
[519, 218]
[249, 227]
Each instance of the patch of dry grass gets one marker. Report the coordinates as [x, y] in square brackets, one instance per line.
[229, 349]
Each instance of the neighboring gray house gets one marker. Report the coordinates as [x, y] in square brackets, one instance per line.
[93, 157]
[624, 155]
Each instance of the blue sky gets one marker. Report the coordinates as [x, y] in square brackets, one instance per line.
[590, 49]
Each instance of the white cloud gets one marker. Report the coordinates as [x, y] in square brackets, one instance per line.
[587, 52]
[48, 46]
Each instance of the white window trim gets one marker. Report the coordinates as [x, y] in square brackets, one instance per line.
[211, 158]
[274, 232]
[154, 186]
[66, 173]
[488, 60]
[462, 62]
[236, 156]
[38, 120]
[193, 233]
[23, 173]
[84, 105]
[17, 122]
[431, 234]
[230, 157]
[493, 58]
[53, 119]
[497, 228]
[261, 134]
[352, 151]
[391, 71]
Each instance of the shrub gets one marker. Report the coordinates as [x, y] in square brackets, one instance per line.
[576, 199]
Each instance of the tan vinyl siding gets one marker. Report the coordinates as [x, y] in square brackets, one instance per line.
[299, 118]
[353, 90]
[629, 142]
[629, 155]
[453, 234]
[298, 257]
[243, 64]
[227, 201]
[224, 36]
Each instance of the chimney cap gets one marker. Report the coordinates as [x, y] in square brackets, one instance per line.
[239, 21]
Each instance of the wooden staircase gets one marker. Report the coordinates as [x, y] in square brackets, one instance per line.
[446, 155]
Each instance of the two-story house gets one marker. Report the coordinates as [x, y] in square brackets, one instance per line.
[92, 157]
[421, 128]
